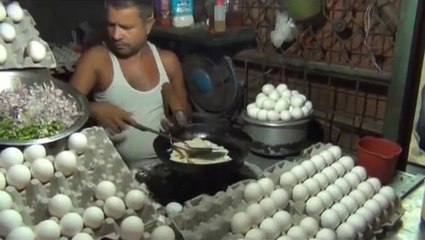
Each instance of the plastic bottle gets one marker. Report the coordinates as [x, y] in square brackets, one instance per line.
[234, 18]
[219, 16]
[423, 210]
[182, 11]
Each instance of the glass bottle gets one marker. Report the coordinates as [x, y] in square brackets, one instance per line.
[234, 14]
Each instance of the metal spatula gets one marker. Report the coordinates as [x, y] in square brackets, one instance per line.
[189, 149]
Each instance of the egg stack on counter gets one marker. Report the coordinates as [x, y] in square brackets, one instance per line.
[325, 197]
[279, 104]
[20, 44]
[70, 196]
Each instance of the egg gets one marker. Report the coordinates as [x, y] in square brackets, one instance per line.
[366, 188]
[288, 179]
[281, 104]
[373, 206]
[93, 217]
[267, 88]
[7, 32]
[388, 192]
[360, 172]
[283, 219]
[15, 12]
[36, 50]
[297, 102]
[266, 185]
[310, 226]
[47, 229]
[163, 233]
[259, 102]
[328, 156]
[114, 207]
[59, 205]
[270, 227]
[253, 192]
[134, 199]
[326, 198]
[341, 210]
[82, 236]
[42, 169]
[326, 234]
[273, 115]
[105, 189]
[347, 162]
[343, 184]
[65, 162]
[353, 179]
[2, 181]
[132, 227]
[240, 223]
[358, 222]
[18, 176]
[71, 224]
[3, 13]
[255, 234]
[256, 213]
[335, 150]
[268, 104]
[358, 196]
[339, 168]
[5, 200]
[281, 87]
[335, 191]
[280, 197]
[350, 203]
[308, 105]
[322, 179]
[286, 93]
[262, 115]
[346, 231]
[314, 206]
[306, 111]
[274, 95]
[172, 208]
[261, 95]
[297, 232]
[3, 54]
[11, 156]
[9, 220]
[375, 183]
[366, 214]
[20, 233]
[268, 205]
[77, 142]
[253, 112]
[309, 167]
[330, 173]
[318, 161]
[300, 192]
[296, 113]
[285, 116]
[313, 186]
[34, 152]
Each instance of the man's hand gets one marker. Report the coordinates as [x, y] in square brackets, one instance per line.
[111, 117]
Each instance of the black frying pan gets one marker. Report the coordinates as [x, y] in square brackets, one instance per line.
[235, 140]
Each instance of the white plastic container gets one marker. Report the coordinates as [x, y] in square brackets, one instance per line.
[182, 11]
[219, 16]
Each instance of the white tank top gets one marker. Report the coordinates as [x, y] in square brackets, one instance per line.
[146, 107]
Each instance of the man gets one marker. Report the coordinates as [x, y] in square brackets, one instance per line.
[126, 74]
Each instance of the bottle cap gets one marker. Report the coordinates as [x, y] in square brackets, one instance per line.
[219, 3]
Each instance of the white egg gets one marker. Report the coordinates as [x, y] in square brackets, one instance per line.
[20, 233]
[343, 184]
[132, 227]
[18, 176]
[335, 191]
[310, 226]
[42, 169]
[339, 168]
[3, 54]
[251, 105]
[281, 104]
[350, 204]
[59, 205]
[274, 95]
[300, 192]
[296, 113]
[295, 93]
[299, 172]
[261, 95]
[366, 188]
[347, 162]
[93, 217]
[346, 231]
[375, 183]
[15, 12]
[11, 156]
[259, 102]
[34, 152]
[286, 93]
[358, 196]
[5, 200]
[280, 197]
[240, 223]
[105, 189]
[388, 192]
[114, 207]
[326, 234]
[78, 142]
[353, 179]
[309, 167]
[328, 156]
[268, 205]
[318, 161]
[269, 104]
[82, 236]
[313, 186]
[7, 32]
[306, 111]
[36, 50]
[71, 224]
[285, 115]
[288, 179]
[322, 179]
[163, 233]
[366, 214]
[47, 229]
[273, 115]
[373, 206]
[326, 198]
[253, 112]
[266, 185]
[262, 115]
[297, 232]
[330, 173]
[314, 206]
[336, 151]
[358, 222]
[9, 220]
[341, 210]
[297, 102]
[3, 13]
[267, 88]
[135, 199]
[281, 87]
[66, 162]
[270, 227]
[255, 213]
[308, 105]
[253, 192]
[360, 172]
[254, 234]
[283, 219]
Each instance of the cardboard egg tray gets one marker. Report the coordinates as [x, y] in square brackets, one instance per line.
[66, 58]
[16, 49]
[100, 162]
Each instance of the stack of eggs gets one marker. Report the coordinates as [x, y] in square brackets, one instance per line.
[279, 104]
[339, 202]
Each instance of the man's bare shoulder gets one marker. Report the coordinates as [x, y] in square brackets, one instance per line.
[95, 54]
[168, 57]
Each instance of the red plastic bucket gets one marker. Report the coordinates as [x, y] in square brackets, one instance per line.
[378, 156]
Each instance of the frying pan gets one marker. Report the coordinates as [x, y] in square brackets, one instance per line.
[233, 139]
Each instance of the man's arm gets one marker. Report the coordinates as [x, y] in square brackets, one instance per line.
[175, 74]
[85, 75]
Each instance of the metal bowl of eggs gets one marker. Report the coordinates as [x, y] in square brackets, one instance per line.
[38, 109]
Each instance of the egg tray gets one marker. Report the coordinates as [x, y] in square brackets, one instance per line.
[66, 58]
[16, 49]
[100, 162]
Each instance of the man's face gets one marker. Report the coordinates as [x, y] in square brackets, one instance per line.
[127, 31]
